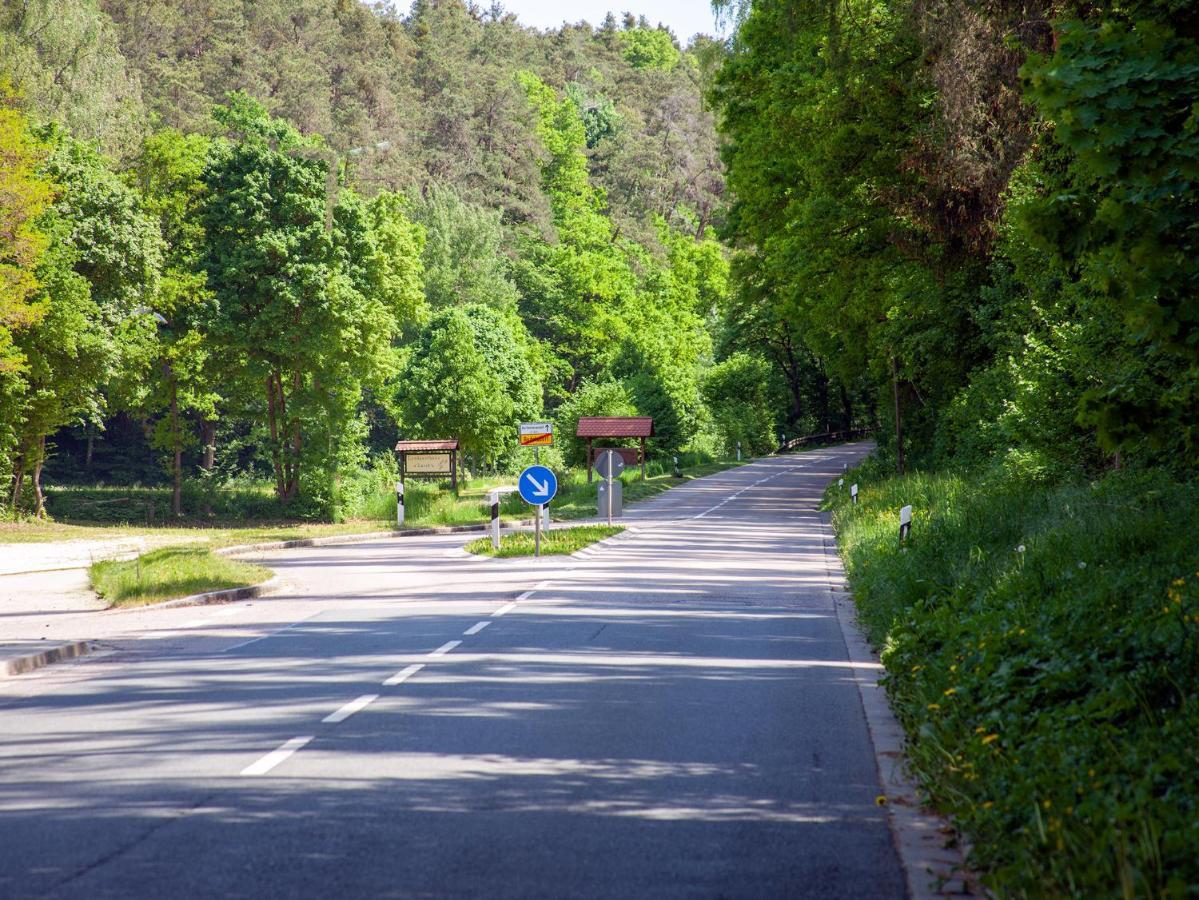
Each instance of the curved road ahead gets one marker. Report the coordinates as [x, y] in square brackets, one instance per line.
[673, 714]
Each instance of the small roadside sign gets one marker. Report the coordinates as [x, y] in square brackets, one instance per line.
[537, 485]
[536, 434]
[609, 464]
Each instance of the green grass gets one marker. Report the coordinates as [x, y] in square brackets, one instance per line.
[555, 542]
[170, 573]
[1042, 649]
[425, 504]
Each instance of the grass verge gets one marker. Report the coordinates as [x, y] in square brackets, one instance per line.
[1042, 649]
[556, 542]
[169, 573]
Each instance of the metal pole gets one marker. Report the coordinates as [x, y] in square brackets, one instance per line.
[609, 493]
[537, 533]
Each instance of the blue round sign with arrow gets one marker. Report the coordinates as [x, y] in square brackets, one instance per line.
[537, 485]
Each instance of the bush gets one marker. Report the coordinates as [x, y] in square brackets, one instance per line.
[1042, 649]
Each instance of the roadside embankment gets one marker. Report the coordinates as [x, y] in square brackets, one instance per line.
[1042, 648]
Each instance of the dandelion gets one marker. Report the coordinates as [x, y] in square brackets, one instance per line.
[1020, 549]
[988, 804]
[1046, 803]
[950, 692]
[1081, 564]
[934, 706]
[990, 737]
[880, 800]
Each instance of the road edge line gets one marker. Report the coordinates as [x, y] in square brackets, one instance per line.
[931, 868]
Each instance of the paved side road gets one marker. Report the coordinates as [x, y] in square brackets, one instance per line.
[675, 715]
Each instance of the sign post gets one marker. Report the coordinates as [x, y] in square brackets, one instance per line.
[609, 465]
[537, 486]
[853, 492]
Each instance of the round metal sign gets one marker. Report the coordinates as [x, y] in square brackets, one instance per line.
[537, 485]
[609, 464]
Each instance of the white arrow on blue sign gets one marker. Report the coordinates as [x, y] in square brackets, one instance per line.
[537, 485]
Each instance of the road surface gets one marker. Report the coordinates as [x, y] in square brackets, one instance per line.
[671, 715]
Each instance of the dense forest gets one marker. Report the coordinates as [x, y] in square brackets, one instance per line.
[986, 211]
[262, 240]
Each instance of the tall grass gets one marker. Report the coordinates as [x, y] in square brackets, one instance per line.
[1042, 648]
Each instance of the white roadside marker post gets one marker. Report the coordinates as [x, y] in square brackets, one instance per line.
[738, 451]
[537, 532]
[399, 503]
[840, 482]
[853, 492]
[905, 523]
[677, 473]
[495, 519]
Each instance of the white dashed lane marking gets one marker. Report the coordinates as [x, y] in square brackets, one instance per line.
[445, 648]
[404, 674]
[275, 757]
[350, 708]
[476, 628]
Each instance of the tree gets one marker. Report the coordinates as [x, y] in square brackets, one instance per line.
[448, 390]
[169, 173]
[592, 398]
[463, 257]
[102, 266]
[308, 293]
[64, 57]
[738, 393]
[24, 195]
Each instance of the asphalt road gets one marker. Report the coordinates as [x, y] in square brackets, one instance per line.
[673, 715]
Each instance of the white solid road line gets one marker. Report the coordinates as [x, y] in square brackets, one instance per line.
[275, 757]
[476, 628]
[350, 708]
[404, 674]
[445, 648]
[271, 634]
[503, 610]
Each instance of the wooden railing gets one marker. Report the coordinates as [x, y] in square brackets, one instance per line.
[828, 437]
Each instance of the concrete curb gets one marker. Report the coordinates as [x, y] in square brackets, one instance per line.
[927, 844]
[209, 598]
[19, 665]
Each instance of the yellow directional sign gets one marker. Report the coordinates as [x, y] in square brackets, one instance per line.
[536, 434]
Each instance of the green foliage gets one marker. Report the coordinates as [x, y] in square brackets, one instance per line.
[605, 398]
[738, 394]
[64, 58]
[1042, 648]
[449, 390]
[1123, 98]
[463, 256]
[649, 48]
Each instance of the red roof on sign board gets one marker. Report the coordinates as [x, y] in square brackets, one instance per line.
[406, 446]
[615, 426]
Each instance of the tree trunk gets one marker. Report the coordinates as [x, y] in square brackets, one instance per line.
[177, 462]
[846, 409]
[39, 500]
[18, 482]
[208, 438]
[276, 450]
